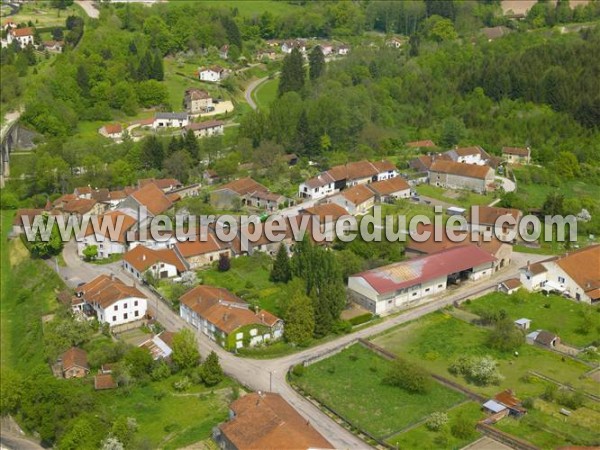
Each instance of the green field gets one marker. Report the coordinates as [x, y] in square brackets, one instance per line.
[168, 419]
[265, 93]
[421, 437]
[42, 16]
[249, 279]
[464, 199]
[553, 313]
[27, 294]
[437, 340]
[351, 384]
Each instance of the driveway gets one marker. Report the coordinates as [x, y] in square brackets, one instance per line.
[507, 184]
[89, 8]
[271, 373]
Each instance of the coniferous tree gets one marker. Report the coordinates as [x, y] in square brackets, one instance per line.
[305, 139]
[145, 67]
[233, 33]
[316, 62]
[282, 270]
[83, 80]
[212, 373]
[190, 143]
[157, 70]
[224, 262]
[292, 73]
[152, 153]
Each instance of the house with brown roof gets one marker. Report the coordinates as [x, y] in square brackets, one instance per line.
[575, 275]
[502, 223]
[357, 200]
[454, 175]
[422, 163]
[346, 175]
[469, 155]
[23, 36]
[213, 73]
[492, 33]
[112, 131]
[517, 155]
[159, 346]
[74, 363]
[164, 184]
[510, 286]
[205, 129]
[427, 143]
[390, 190]
[202, 252]
[28, 213]
[247, 192]
[265, 421]
[149, 196]
[162, 263]
[543, 338]
[82, 208]
[197, 101]
[110, 234]
[227, 319]
[114, 302]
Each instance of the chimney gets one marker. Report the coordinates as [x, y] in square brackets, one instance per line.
[144, 257]
[528, 265]
[112, 277]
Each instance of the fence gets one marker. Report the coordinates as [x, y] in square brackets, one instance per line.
[505, 438]
[593, 397]
[326, 354]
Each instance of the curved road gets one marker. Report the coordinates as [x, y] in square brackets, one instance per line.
[270, 374]
[251, 87]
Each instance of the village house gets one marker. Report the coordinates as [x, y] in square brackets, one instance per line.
[326, 214]
[82, 208]
[54, 46]
[8, 23]
[346, 175]
[245, 192]
[114, 302]
[516, 155]
[197, 101]
[357, 200]
[409, 283]
[227, 319]
[288, 46]
[212, 74]
[395, 42]
[112, 131]
[264, 420]
[454, 175]
[270, 55]
[164, 184]
[492, 33]
[422, 163]
[390, 190]
[343, 50]
[208, 128]
[23, 36]
[149, 196]
[469, 155]
[502, 223]
[543, 338]
[110, 238]
[74, 363]
[503, 404]
[326, 49]
[163, 263]
[30, 215]
[170, 120]
[210, 176]
[200, 253]
[575, 275]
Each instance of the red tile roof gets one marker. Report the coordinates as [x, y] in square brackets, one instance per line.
[22, 32]
[409, 273]
[75, 357]
[223, 309]
[512, 283]
[142, 258]
[113, 219]
[390, 186]
[104, 381]
[461, 169]
[197, 94]
[420, 144]
[198, 247]
[583, 266]
[488, 215]
[162, 183]
[79, 206]
[515, 151]
[243, 186]
[327, 210]
[358, 194]
[266, 421]
[105, 291]
[30, 213]
[153, 198]
[113, 128]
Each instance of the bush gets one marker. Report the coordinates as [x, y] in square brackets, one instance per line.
[478, 370]
[436, 421]
[298, 370]
[408, 376]
[571, 400]
[462, 427]
[182, 384]
[363, 318]
[529, 403]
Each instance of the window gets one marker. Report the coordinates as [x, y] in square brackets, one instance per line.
[414, 294]
[440, 286]
[427, 290]
[135, 303]
[125, 306]
[114, 318]
[125, 316]
[561, 280]
[116, 307]
[136, 313]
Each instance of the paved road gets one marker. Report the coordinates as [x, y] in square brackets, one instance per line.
[251, 87]
[271, 374]
[88, 7]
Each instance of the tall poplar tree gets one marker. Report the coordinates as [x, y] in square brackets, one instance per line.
[292, 73]
[316, 62]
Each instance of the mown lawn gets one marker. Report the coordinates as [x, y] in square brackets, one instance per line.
[249, 279]
[553, 313]
[256, 8]
[265, 93]
[351, 384]
[42, 16]
[423, 438]
[463, 199]
[437, 340]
